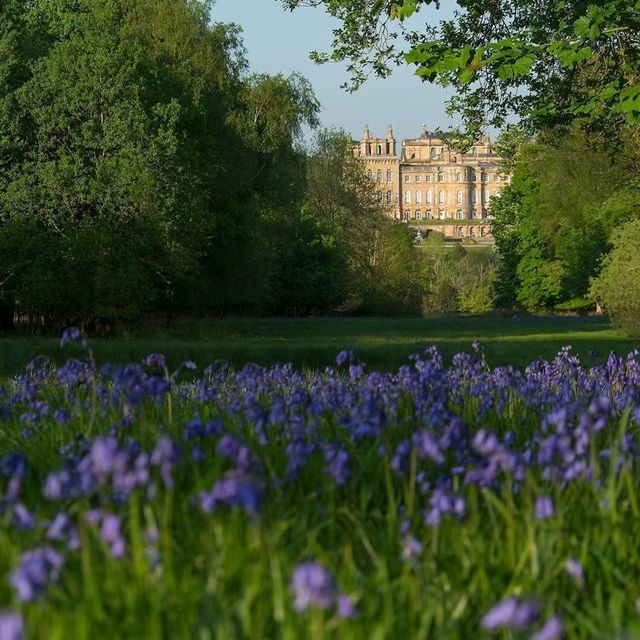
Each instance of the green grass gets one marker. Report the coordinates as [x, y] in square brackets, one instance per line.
[383, 344]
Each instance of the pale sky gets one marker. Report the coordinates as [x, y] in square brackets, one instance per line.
[278, 41]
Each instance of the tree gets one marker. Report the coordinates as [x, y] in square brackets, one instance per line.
[548, 61]
[617, 287]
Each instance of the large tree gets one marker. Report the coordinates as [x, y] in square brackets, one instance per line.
[546, 60]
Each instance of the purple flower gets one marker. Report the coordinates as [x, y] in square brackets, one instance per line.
[36, 570]
[11, 626]
[23, 519]
[155, 360]
[411, 548]
[312, 585]
[72, 334]
[544, 508]
[511, 613]
[553, 629]
[233, 489]
[345, 607]
[427, 447]
[574, 569]
[336, 463]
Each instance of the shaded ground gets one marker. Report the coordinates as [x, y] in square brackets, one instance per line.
[314, 342]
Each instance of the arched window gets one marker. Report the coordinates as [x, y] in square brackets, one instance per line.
[418, 197]
[389, 197]
[379, 150]
[459, 214]
[429, 214]
[379, 175]
[441, 214]
[434, 153]
[388, 175]
[418, 215]
[441, 197]
[458, 197]
[370, 175]
[429, 197]
[407, 197]
[407, 214]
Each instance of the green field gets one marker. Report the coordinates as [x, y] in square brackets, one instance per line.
[313, 342]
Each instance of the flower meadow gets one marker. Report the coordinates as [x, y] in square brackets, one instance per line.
[439, 501]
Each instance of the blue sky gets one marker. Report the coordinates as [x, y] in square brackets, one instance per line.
[278, 41]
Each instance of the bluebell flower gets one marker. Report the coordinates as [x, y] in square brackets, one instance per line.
[544, 508]
[36, 570]
[511, 613]
[11, 626]
[553, 629]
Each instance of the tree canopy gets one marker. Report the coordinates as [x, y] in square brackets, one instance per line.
[549, 61]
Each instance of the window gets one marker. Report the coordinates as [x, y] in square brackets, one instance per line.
[441, 197]
[407, 197]
[472, 175]
[418, 215]
[458, 197]
[379, 150]
[418, 178]
[474, 214]
[497, 177]
[429, 197]
[485, 197]
[441, 214]
[474, 196]
[379, 175]
[389, 175]
[370, 175]
[458, 176]
[389, 197]
[485, 177]
[429, 178]
[440, 177]
[434, 153]
[407, 214]
[418, 197]
[379, 197]
[459, 214]
[407, 178]
[429, 214]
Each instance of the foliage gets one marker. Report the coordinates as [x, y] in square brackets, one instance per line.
[617, 287]
[550, 62]
[460, 280]
[347, 503]
[553, 222]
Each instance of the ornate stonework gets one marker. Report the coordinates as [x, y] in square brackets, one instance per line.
[432, 186]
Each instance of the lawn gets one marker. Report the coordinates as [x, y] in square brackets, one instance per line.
[383, 344]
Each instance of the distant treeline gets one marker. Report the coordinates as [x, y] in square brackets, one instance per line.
[144, 169]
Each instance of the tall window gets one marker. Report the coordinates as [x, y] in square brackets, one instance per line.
[379, 150]
[370, 175]
[474, 196]
[485, 197]
[418, 178]
[388, 175]
[434, 153]
[440, 177]
[407, 178]
[429, 179]
[379, 197]
[429, 214]
[458, 197]
[407, 214]
[379, 175]
[418, 215]
[389, 197]
[458, 176]
[497, 177]
[429, 197]
[418, 197]
[407, 197]
[441, 197]
[459, 214]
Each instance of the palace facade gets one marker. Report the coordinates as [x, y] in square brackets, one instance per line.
[431, 186]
